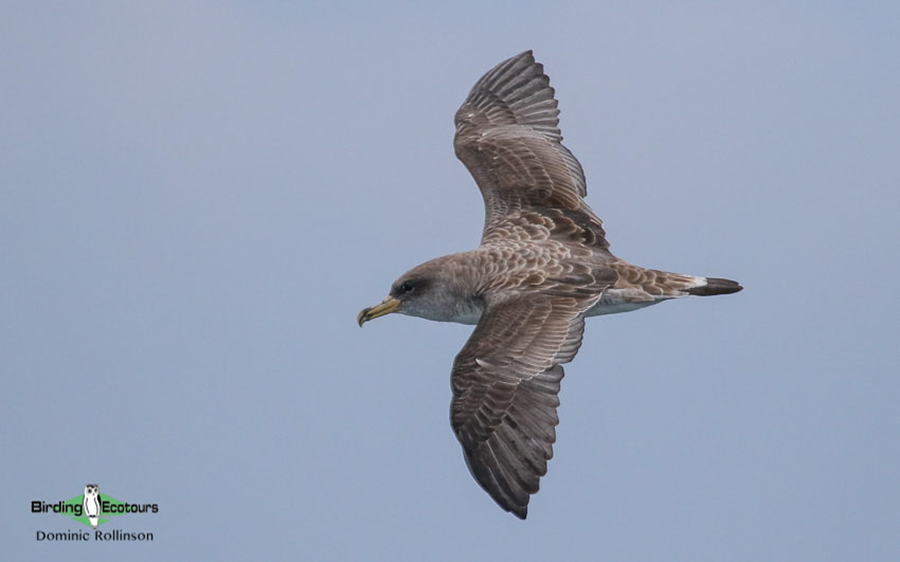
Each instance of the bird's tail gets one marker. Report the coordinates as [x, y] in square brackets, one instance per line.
[715, 286]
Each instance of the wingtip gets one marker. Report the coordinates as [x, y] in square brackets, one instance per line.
[520, 511]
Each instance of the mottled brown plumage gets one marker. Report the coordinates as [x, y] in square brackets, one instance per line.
[543, 266]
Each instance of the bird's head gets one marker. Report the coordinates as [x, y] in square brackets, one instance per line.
[433, 291]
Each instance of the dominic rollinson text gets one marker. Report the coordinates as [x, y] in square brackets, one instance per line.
[102, 536]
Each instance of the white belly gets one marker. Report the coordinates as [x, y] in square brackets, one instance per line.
[614, 301]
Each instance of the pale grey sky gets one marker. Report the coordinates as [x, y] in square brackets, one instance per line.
[197, 199]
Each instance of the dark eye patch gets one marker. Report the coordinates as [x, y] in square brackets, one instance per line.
[410, 286]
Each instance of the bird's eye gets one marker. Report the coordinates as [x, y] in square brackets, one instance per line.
[407, 287]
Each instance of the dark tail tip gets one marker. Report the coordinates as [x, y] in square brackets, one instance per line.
[716, 286]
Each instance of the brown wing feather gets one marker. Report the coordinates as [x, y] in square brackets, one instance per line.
[505, 385]
[508, 137]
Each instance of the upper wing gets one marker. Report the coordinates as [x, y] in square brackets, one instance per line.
[505, 384]
[508, 137]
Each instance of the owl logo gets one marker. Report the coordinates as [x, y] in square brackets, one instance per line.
[92, 503]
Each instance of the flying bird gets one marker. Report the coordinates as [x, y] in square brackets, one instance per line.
[543, 266]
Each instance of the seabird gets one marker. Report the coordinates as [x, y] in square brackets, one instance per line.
[543, 266]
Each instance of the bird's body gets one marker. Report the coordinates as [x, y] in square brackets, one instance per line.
[520, 268]
[543, 266]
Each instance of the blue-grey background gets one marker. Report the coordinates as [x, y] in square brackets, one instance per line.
[197, 198]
